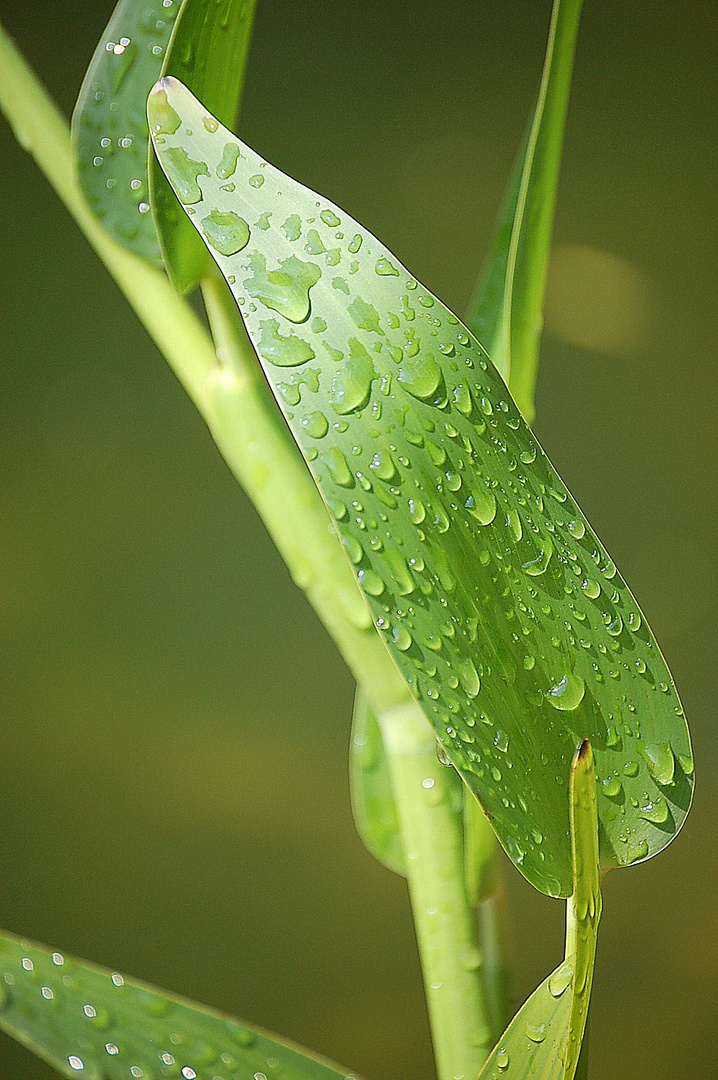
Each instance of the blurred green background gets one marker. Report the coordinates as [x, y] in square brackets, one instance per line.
[173, 777]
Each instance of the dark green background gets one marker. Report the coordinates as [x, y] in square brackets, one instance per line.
[173, 792]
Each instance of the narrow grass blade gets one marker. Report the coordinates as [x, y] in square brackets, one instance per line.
[498, 603]
[94, 1024]
[586, 899]
[372, 798]
[208, 52]
[109, 124]
[543, 1041]
[506, 312]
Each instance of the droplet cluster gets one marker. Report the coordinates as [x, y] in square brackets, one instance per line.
[505, 614]
[110, 131]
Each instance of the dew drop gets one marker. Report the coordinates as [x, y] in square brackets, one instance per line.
[638, 851]
[290, 351]
[513, 521]
[655, 810]
[256, 181]
[468, 677]
[228, 162]
[502, 1058]
[535, 1032]
[481, 504]
[370, 582]
[314, 244]
[417, 511]
[165, 121]
[339, 471]
[330, 218]
[385, 269]
[210, 124]
[285, 289]
[538, 566]
[315, 424]
[612, 787]
[351, 383]
[420, 376]
[568, 693]
[403, 581]
[228, 233]
[401, 638]
[591, 588]
[183, 173]
[561, 979]
[383, 465]
[292, 227]
[661, 762]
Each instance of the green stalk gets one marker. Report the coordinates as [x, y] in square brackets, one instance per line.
[231, 394]
[429, 801]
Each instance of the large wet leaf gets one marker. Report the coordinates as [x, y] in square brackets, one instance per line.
[506, 312]
[95, 1024]
[499, 604]
[109, 124]
[208, 52]
[543, 1041]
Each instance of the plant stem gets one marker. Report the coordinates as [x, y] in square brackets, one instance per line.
[229, 390]
[429, 801]
[255, 442]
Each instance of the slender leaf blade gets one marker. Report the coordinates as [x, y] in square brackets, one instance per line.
[586, 899]
[208, 53]
[373, 804]
[496, 599]
[95, 1024]
[534, 1044]
[506, 312]
[109, 123]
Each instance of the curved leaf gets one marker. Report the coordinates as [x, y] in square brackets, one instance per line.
[208, 52]
[543, 1041]
[373, 803]
[499, 604]
[109, 123]
[506, 311]
[91, 1023]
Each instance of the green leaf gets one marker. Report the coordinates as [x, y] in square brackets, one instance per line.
[373, 803]
[585, 901]
[109, 124]
[94, 1024]
[543, 1041]
[208, 52]
[506, 311]
[204, 44]
[498, 603]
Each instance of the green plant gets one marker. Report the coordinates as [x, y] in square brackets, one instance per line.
[232, 394]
